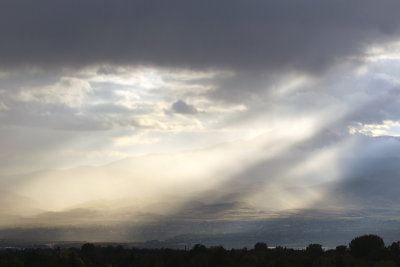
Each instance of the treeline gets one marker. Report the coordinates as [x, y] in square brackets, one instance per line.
[367, 250]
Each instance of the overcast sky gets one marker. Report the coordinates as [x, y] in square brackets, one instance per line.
[96, 81]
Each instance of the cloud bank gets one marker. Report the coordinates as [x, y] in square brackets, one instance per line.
[269, 35]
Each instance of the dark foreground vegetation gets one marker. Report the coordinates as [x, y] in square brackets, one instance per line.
[367, 250]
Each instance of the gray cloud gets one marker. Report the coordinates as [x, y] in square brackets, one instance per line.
[238, 34]
[183, 108]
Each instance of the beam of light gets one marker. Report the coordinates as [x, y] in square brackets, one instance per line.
[304, 183]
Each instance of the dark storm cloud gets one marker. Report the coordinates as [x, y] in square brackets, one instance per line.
[230, 34]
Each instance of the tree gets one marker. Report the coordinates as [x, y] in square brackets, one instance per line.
[366, 246]
[314, 250]
[395, 247]
[199, 248]
[260, 246]
[88, 248]
[341, 249]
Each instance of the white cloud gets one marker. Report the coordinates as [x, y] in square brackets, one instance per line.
[386, 128]
[384, 52]
[68, 91]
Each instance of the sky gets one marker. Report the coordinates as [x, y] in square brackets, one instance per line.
[282, 105]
